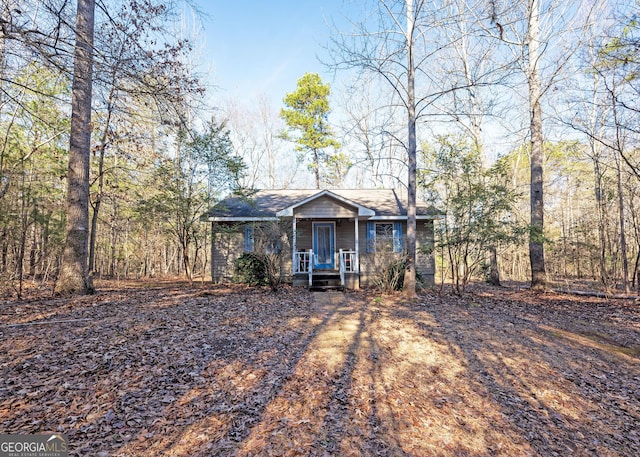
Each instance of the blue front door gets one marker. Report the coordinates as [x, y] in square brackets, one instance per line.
[323, 245]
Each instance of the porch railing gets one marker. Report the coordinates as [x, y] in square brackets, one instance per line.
[347, 263]
[303, 263]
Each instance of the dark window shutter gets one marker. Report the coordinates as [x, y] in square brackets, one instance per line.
[371, 236]
[248, 238]
[397, 237]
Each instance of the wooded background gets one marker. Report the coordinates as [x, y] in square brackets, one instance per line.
[164, 147]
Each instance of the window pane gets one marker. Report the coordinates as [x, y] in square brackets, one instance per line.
[384, 237]
[324, 244]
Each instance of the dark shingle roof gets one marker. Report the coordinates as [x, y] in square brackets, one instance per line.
[266, 203]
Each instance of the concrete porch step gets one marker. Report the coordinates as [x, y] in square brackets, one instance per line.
[326, 280]
[325, 288]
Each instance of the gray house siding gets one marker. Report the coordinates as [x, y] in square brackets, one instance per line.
[425, 260]
[227, 244]
[372, 262]
[345, 234]
[325, 208]
[304, 241]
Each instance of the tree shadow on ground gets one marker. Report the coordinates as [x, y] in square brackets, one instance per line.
[237, 371]
[562, 397]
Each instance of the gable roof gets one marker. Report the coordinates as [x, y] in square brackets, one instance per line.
[362, 210]
[272, 204]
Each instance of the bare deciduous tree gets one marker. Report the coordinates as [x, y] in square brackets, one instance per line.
[397, 45]
[369, 131]
[542, 37]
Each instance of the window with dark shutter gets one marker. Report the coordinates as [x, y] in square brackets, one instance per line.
[248, 238]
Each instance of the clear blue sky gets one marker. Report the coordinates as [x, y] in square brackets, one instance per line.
[263, 47]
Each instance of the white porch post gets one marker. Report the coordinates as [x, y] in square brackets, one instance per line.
[357, 262]
[294, 267]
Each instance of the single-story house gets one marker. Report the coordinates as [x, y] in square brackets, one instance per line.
[324, 237]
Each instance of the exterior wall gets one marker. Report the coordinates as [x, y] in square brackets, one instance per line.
[371, 262]
[325, 208]
[345, 235]
[367, 259]
[228, 245]
[425, 260]
[304, 240]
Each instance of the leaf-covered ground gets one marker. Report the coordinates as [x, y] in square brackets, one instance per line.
[178, 370]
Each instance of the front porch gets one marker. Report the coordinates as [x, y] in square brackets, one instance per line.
[346, 276]
[326, 252]
[325, 242]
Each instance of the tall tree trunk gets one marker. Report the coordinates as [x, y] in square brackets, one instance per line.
[100, 192]
[186, 258]
[4, 250]
[94, 229]
[623, 238]
[636, 274]
[635, 282]
[536, 239]
[44, 251]
[33, 250]
[620, 153]
[114, 240]
[96, 211]
[74, 273]
[4, 181]
[316, 168]
[409, 287]
[24, 226]
[604, 277]
[494, 272]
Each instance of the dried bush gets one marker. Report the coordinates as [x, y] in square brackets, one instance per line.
[390, 275]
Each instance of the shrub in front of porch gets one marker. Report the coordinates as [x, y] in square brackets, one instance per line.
[390, 270]
[258, 270]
